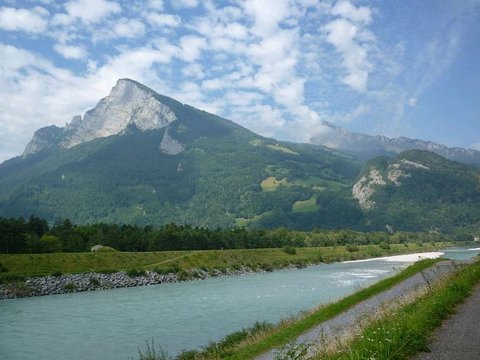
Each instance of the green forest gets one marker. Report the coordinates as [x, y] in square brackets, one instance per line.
[18, 235]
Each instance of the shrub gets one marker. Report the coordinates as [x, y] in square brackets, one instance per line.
[290, 250]
[57, 273]
[135, 272]
[384, 246]
[94, 281]
[266, 267]
[3, 268]
[352, 248]
[182, 275]
[187, 355]
[152, 353]
[69, 287]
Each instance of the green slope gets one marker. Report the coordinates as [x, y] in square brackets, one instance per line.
[214, 182]
[442, 195]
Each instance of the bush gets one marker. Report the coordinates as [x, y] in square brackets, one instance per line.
[266, 267]
[384, 246]
[94, 281]
[69, 287]
[152, 353]
[182, 275]
[3, 268]
[352, 248]
[57, 273]
[135, 272]
[290, 250]
[187, 355]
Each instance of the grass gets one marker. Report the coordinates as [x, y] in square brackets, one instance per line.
[68, 263]
[283, 149]
[271, 183]
[405, 332]
[284, 333]
[305, 205]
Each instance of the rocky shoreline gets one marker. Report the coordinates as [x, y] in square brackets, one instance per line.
[71, 283]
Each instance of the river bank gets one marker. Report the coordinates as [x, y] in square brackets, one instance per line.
[71, 283]
[186, 266]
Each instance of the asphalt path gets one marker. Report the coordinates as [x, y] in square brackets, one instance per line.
[331, 329]
[459, 336]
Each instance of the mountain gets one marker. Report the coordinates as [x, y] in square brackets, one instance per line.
[419, 190]
[142, 158]
[367, 146]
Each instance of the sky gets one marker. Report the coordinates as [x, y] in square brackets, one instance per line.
[278, 67]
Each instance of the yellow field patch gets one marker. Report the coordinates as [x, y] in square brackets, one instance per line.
[305, 205]
[283, 149]
[271, 183]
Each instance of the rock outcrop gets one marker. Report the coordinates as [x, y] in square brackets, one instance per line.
[365, 187]
[129, 104]
[43, 139]
[169, 145]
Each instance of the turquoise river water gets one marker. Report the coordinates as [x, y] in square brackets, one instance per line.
[113, 324]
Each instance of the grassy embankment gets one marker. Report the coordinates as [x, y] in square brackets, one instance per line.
[249, 343]
[67, 263]
[405, 332]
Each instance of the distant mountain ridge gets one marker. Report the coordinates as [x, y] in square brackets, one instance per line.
[368, 146]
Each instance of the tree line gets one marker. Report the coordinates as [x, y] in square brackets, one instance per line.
[35, 235]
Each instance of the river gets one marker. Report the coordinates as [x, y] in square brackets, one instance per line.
[113, 324]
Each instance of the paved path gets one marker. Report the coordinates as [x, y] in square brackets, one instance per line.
[459, 337]
[331, 329]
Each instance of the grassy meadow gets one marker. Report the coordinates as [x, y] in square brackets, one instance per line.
[267, 259]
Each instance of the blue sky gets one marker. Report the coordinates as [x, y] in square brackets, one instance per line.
[279, 67]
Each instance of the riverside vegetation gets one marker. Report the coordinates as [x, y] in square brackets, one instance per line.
[34, 235]
[398, 334]
[261, 337]
[405, 332]
[218, 252]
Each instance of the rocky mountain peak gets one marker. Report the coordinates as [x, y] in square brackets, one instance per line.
[129, 103]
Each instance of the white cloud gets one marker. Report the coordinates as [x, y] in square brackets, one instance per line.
[163, 20]
[90, 11]
[12, 19]
[191, 47]
[348, 11]
[266, 17]
[412, 101]
[71, 51]
[184, 3]
[351, 39]
[155, 4]
[128, 28]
